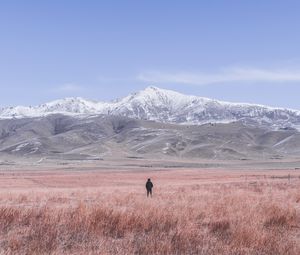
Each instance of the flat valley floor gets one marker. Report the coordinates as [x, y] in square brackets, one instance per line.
[197, 208]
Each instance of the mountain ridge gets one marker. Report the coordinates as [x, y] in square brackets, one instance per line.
[163, 105]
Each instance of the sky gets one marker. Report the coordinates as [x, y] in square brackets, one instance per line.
[232, 50]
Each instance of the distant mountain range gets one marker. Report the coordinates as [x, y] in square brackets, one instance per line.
[164, 106]
[147, 124]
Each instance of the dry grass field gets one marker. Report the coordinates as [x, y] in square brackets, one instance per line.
[192, 211]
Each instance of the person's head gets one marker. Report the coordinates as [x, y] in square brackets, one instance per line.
[149, 180]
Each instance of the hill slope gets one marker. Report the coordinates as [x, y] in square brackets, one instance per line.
[68, 137]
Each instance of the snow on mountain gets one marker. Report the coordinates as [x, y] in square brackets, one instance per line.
[163, 105]
[68, 106]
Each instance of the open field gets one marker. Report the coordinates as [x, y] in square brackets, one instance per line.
[83, 210]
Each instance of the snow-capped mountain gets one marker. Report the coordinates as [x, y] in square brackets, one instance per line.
[166, 106]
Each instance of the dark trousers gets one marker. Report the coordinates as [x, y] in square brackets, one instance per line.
[149, 192]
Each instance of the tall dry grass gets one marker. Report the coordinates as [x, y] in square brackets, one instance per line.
[218, 218]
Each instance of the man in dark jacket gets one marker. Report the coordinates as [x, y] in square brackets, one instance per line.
[149, 186]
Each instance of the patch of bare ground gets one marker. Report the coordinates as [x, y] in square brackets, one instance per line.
[191, 212]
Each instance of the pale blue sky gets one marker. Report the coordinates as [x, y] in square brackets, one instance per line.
[242, 51]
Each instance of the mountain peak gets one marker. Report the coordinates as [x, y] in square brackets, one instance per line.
[151, 87]
[152, 90]
[160, 90]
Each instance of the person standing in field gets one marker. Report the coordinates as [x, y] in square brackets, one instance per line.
[149, 186]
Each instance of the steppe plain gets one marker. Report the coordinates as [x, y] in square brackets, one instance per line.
[198, 207]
